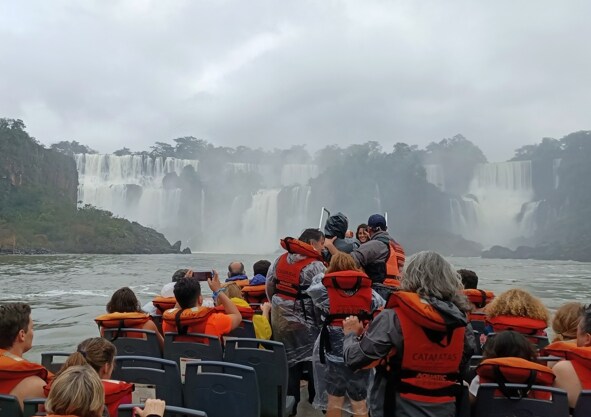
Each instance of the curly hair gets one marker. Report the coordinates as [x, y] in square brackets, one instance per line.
[342, 262]
[566, 320]
[518, 303]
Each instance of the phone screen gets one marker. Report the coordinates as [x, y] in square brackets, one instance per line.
[202, 275]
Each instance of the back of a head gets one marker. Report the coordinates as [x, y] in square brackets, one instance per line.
[518, 303]
[469, 279]
[341, 262]
[14, 317]
[232, 290]
[123, 301]
[584, 329]
[178, 274]
[309, 235]
[95, 352]
[336, 225]
[187, 291]
[235, 268]
[261, 267]
[377, 222]
[509, 344]
[76, 391]
[430, 275]
[566, 321]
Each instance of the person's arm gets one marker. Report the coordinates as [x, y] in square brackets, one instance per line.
[567, 379]
[229, 307]
[266, 310]
[382, 335]
[271, 280]
[329, 244]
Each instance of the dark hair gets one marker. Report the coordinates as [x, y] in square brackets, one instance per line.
[96, 352]
[509, 344]
[123, 301]
[14, 317]
[469, 279]
[585, 323]
[187, 291]
[361, 226]
[232, 273]
[261, 267]
[178, 274]
[311, 234]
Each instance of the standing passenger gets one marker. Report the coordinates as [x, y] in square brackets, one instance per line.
[422, 323]
[295, 322]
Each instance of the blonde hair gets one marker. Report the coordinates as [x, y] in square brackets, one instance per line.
[96, 352]
[342, 262]
[518, 303]
[78, 391]
[232, 290]
[566, 321]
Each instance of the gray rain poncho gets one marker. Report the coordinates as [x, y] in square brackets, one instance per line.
[296, 327]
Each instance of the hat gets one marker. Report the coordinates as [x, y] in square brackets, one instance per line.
[376, 220]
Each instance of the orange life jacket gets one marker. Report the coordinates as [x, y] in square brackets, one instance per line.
[479, 298]
[288, 275]
[240, 282]
[392, 267]
[13, 369]
[163, 303]
[430, 366]
[255, 294]
[392, 282]
[504, 371]
[186, 320]
[580, 357]
[349, 293]
[134, 320]
[524, 325]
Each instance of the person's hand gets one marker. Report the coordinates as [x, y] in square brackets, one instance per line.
[151, 406]
[266, 307]
[329, 243]
[352, 325]
[189, 273]
[214, 283]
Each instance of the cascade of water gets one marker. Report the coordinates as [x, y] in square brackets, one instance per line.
[259, 222]
[130, 186]
[297, 174]
[527, 224]
[555, 171]
[498, 192]
[435, 175]
[378, 198]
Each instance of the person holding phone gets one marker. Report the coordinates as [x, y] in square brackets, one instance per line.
[196, 318]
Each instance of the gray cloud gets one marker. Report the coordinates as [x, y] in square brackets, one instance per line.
[128, 73]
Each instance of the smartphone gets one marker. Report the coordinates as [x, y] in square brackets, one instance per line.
[202, 275]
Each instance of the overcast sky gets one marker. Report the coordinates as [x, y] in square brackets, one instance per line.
[275, 73]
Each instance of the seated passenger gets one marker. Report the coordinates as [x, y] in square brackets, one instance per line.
[166, 299]
[574, 373]
[100, 354]
[514, 356]
[262, 327]
[254, 292]
[343, 290]
[123, 310]
[479, 298]
[421, 324]
[237, 274]
[566, 322]
[78, 392]
[19, 377]
[192, 317]
[520, 311]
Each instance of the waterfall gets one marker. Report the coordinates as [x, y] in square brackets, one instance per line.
[556, 171]
[489, 213]
[130, 186]
[435, 175]
[259, 223]
[527, 218]
[297, 174]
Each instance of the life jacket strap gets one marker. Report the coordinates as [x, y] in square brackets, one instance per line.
[483, 300]
[513, 393]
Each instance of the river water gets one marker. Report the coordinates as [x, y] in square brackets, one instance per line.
[67, 291]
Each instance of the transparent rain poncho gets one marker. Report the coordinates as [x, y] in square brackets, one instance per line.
[333, 377]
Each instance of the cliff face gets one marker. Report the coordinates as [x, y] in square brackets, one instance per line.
[38, 213]
[25, 163]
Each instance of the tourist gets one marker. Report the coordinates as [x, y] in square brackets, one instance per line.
[429, 302]
[336, 229]
[566, 322]
[123, 310]
[260, 270]
[78, 392]
[262, 326]
[237, 273]
[255, 292]
[295, 321]
[166, 299]
[337, 386]
[20, 378]
[469, 279]
[99, 354]
[362, 235]
[195, 318]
